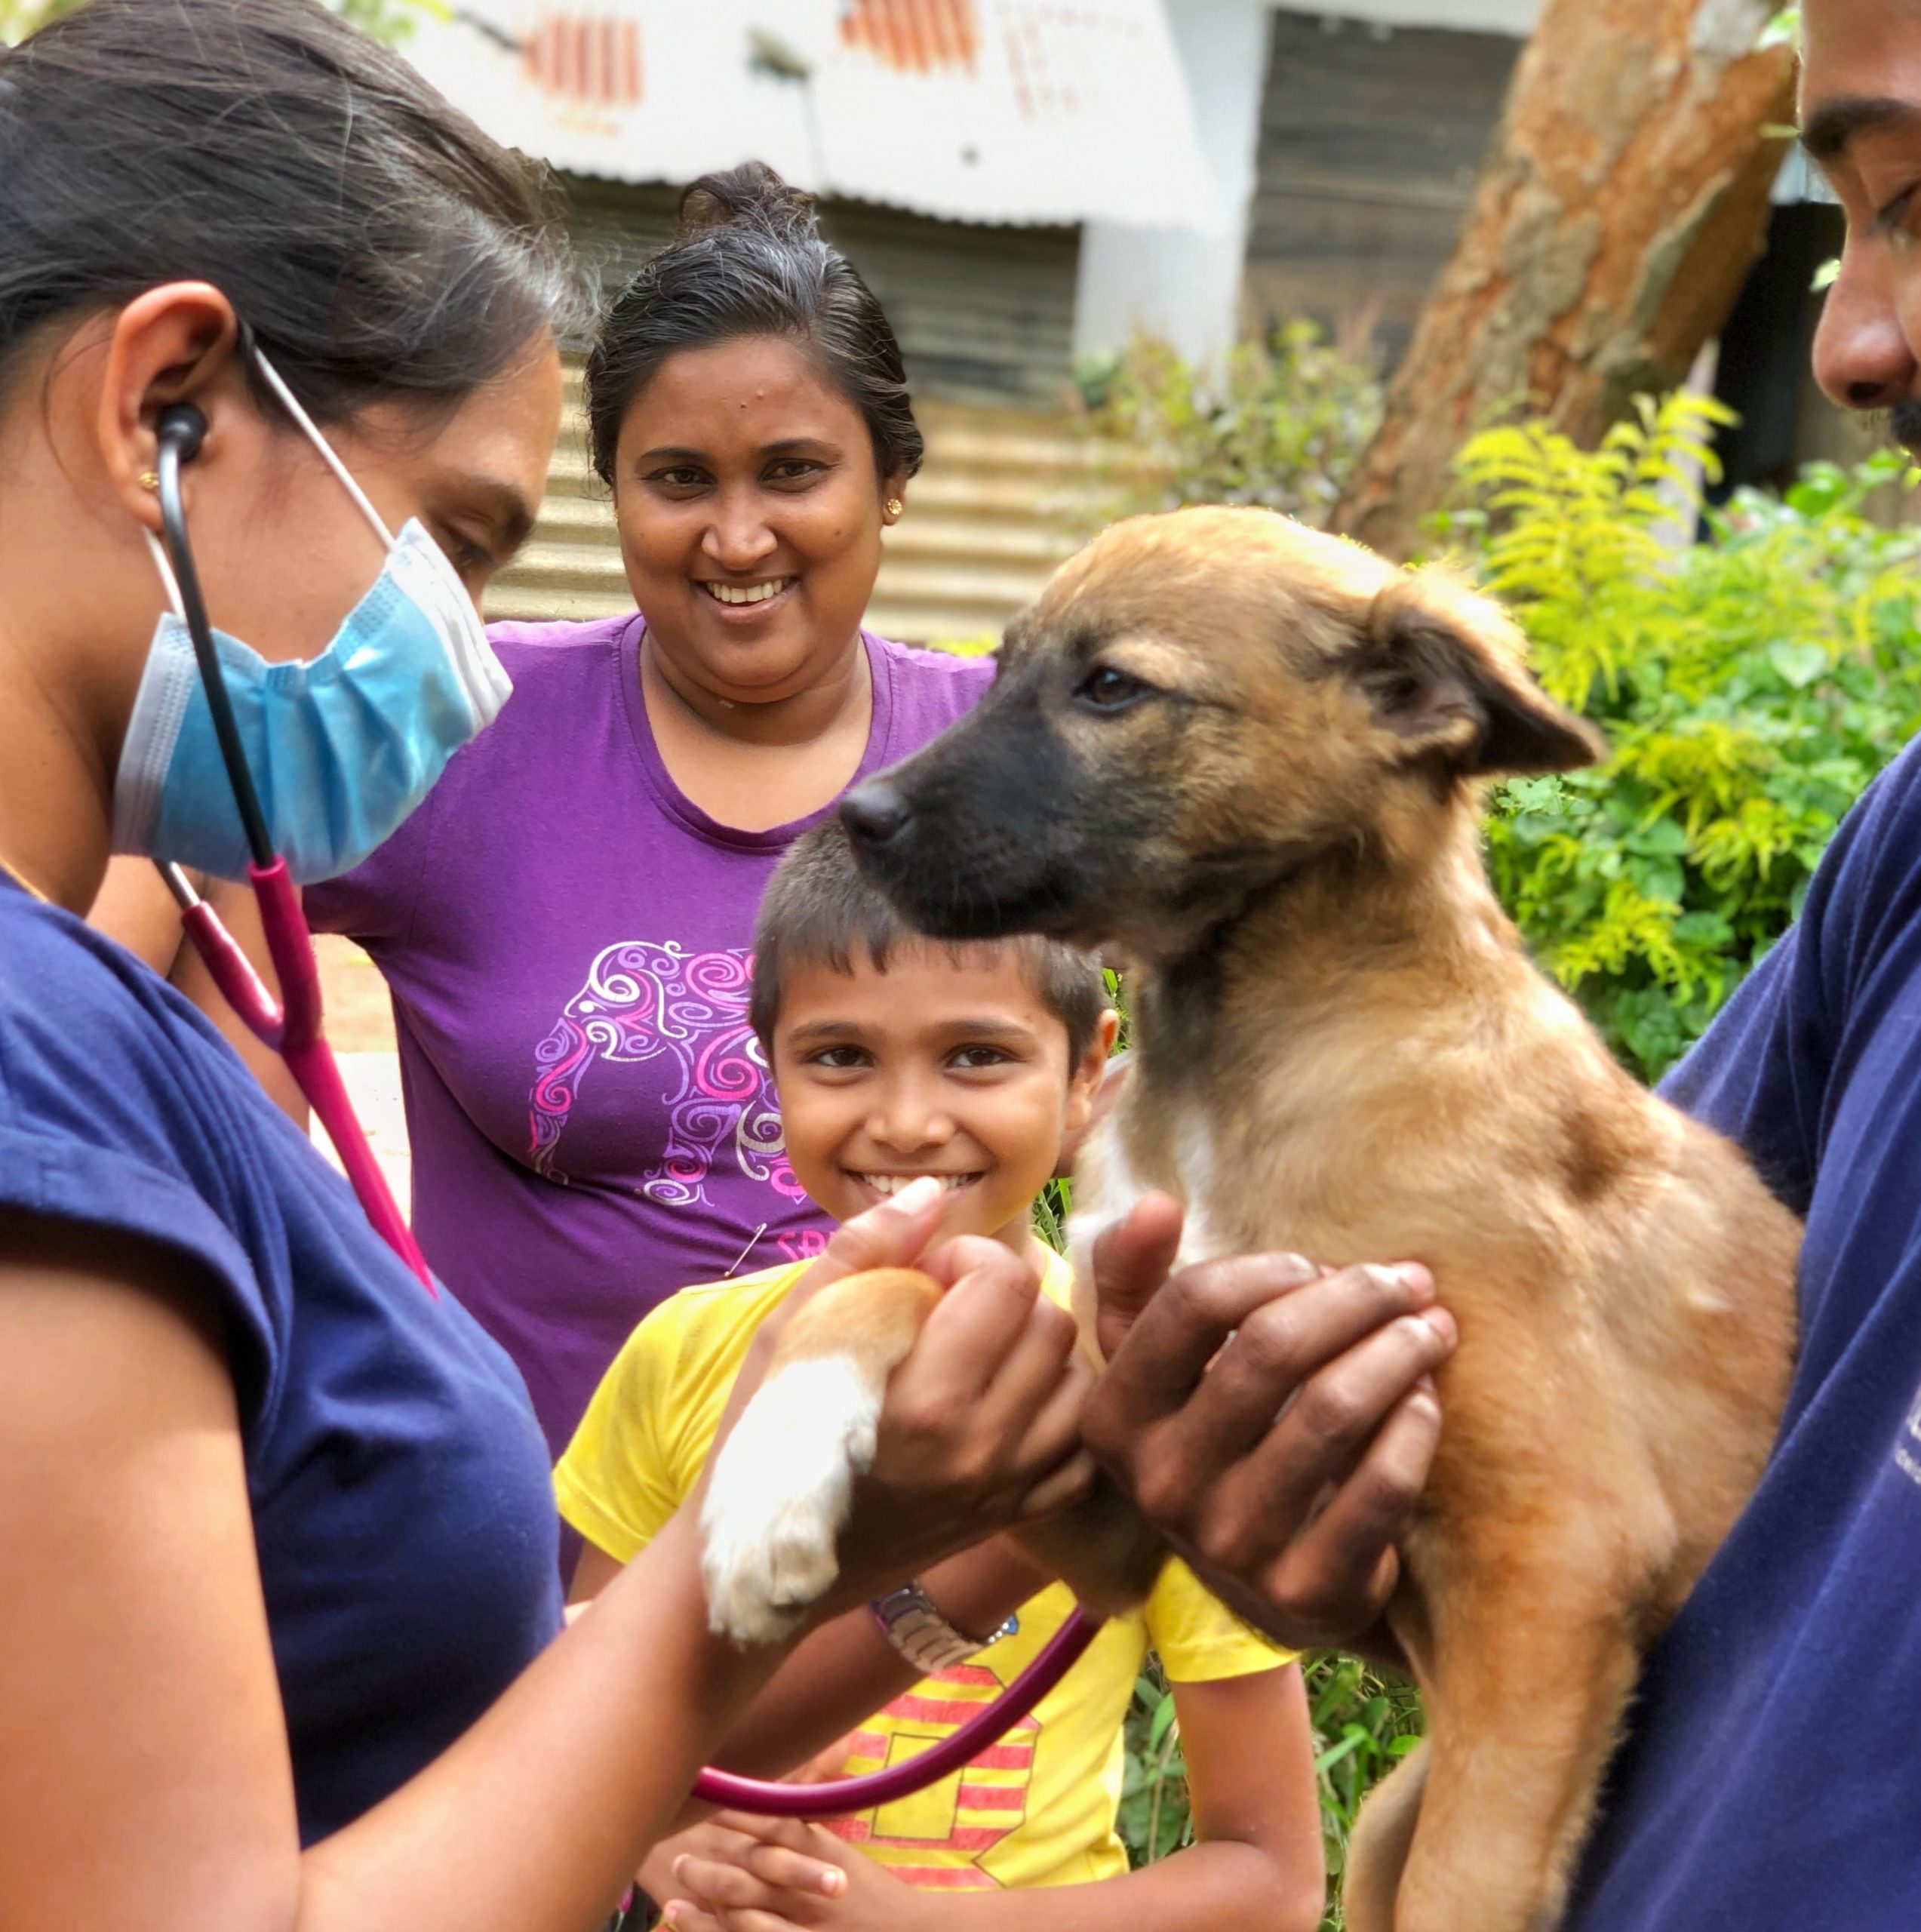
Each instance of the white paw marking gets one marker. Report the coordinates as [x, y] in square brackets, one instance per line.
[780, 1493]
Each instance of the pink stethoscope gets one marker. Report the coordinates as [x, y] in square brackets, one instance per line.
[291, 1027]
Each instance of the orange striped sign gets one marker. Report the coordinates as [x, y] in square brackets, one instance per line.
[914, 36]
[588, 60]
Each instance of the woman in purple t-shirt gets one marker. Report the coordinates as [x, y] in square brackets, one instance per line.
[565, 924]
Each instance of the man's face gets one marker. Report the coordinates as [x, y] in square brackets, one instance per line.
[1860, 119]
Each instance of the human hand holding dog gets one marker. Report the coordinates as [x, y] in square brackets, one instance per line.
[1275, 1421]
[980, 1425]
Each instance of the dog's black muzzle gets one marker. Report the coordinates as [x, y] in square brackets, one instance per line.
[989, 830]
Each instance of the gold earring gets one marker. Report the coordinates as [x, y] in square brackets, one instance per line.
[149, 480]
[895, 507]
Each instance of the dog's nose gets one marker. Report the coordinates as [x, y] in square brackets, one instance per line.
[875, 814]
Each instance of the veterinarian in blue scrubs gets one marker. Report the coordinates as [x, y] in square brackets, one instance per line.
[1771, 1780]
[281, 1628]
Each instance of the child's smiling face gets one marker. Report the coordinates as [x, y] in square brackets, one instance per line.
[948, 1063]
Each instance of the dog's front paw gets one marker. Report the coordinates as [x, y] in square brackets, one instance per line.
[779, 1493]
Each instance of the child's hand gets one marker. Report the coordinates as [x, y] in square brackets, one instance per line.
[778, 1874]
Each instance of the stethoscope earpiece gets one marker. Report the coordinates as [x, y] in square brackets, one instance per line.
[182, 427]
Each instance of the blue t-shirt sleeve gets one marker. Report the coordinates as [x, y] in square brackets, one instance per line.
[96, 1103]
[1765, 1073]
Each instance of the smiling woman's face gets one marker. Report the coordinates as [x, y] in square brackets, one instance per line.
[750, 515]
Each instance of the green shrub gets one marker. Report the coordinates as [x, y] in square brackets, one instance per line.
[1153, 1819]
[1280, 423]
[1749, 683]
[1364, 1724]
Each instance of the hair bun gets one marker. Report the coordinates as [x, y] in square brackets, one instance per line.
[751, 195]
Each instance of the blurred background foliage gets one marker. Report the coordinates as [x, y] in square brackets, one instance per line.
[1280, 423]
[390, 19]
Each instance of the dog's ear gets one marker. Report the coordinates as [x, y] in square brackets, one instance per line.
[1444, 670]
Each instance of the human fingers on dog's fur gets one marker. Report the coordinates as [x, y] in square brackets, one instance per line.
[1307, 1520]
[1339, 1408]
[952, 1259]
[1291, 1347]
[1328, 1581]
[891, 1234]
[1339, 1574]
[1237, 1489]
[986, 1313]
[1178, 1353]
[1131, 1259]
[1323, 1434]
[1073, 1482]
[1004, 1433]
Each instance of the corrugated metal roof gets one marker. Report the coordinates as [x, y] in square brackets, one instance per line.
[1045, 112]
[983, 314]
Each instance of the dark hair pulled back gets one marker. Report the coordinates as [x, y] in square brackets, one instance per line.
[748, 260]
[377, 243]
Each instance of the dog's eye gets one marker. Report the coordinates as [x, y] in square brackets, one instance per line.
[1106, 689]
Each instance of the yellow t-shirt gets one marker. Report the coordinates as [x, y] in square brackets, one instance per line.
[1037, 1808]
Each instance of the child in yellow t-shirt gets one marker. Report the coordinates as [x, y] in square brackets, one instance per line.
[895, 1056]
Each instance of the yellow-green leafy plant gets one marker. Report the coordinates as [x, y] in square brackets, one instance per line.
[1750, 683]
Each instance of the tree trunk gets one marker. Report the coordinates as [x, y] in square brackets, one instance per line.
[1618, 214]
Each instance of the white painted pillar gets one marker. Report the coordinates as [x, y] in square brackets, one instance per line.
[1184, 284]
[1180, 283]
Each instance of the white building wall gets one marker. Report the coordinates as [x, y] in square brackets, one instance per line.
[1183, 284]
[1514, 16]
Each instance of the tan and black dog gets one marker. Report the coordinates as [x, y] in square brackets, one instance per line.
[1246, 756]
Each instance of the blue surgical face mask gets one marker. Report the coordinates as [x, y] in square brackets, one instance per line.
[341, 748]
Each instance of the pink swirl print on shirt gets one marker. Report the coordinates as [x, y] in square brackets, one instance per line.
[647, 1001]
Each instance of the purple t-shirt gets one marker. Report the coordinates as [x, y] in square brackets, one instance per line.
[566, 937]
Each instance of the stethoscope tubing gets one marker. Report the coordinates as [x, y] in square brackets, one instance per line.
[839, 1798]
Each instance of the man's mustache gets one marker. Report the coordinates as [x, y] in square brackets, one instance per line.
[1904, 424]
